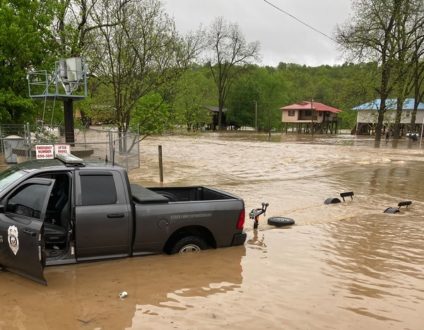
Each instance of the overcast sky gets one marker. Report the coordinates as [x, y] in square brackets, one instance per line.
[282, 38]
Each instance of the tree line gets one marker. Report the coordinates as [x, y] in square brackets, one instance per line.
[147, 77]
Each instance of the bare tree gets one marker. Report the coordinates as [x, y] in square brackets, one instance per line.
[73, 23]
[369, 36]
[227, 53]
[417, 75]
[408, 40]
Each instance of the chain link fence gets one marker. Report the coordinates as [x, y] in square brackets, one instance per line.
[17, 144]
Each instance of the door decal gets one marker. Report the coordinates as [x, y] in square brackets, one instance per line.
[13, 238]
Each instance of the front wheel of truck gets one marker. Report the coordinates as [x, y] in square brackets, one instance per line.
[189, 244]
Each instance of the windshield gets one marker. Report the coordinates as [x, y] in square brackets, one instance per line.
[9, 176]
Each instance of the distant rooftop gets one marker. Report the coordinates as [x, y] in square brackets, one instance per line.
[391, 104]
[308, 105]
[214, 109]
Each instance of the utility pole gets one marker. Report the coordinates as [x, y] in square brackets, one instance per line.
[256, 115]
[312, 114]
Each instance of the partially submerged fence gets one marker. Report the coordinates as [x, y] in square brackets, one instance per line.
[111, 146]
[91, 144]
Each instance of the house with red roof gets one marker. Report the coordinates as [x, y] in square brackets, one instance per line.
[310, 117]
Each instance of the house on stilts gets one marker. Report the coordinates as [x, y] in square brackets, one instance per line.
[367, 115]
[310, 117]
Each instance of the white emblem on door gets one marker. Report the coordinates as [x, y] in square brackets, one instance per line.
[13, 239]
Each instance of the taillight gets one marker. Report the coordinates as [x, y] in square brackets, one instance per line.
[240, 221]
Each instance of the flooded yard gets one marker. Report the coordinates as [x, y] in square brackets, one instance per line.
[342, 266]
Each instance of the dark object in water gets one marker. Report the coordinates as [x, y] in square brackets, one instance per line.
[332, 200]
[335, 200]
[393, 210]
[404, 203]
[412, 136]
[280, 221]
[255, 213]
[347, 194]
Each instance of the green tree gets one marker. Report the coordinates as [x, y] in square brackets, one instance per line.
[194, 91]
[138, 56]
[25, 43]
[151, 115]
[260, 89]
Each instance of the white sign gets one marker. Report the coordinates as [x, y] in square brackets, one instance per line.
[60, 149]
[44, 152]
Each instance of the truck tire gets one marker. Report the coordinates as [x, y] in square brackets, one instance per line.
[189, 244]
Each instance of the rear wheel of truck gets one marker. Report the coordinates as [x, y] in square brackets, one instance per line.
[189, 244]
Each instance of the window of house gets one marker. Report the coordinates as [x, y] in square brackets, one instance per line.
[98, 190]
[291, 113]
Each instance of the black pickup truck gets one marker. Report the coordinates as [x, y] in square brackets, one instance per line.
[65, 211]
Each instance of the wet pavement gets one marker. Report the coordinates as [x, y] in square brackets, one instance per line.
[342, 266]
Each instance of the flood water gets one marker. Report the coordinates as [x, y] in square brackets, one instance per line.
[342, 266]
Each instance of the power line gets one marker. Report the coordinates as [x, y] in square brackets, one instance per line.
[300, 21]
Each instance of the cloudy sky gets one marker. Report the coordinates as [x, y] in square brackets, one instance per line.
[282, 38]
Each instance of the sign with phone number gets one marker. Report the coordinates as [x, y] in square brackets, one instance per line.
[48, 151]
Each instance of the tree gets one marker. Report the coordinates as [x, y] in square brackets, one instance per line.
[26, 42]
[369, 36]
[137, 56]
[417, 74]
[262, 89]
[194, 91]
[407, 38]
[151, 115]
[227, 54]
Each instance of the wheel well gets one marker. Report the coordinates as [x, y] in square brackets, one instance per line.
[198, 231]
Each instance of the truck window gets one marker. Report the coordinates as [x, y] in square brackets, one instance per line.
[98, 190]
[28, 201]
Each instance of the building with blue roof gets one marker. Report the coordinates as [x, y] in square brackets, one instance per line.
[366, 118]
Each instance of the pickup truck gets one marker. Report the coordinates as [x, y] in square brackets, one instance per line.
[65, 211]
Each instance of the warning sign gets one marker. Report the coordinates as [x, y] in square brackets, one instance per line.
[44, 152]
[60, 149]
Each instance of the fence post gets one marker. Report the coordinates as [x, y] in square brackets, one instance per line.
[1, 141]
[160, 164]
[110, 146]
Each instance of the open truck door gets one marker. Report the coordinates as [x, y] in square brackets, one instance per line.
[22, 214]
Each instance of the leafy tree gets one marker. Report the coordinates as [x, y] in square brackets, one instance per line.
[138, 56]
[260, 91]
[151, 115]
[26, 42]
[194, 91]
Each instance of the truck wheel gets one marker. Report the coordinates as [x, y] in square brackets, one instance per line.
[189, 244]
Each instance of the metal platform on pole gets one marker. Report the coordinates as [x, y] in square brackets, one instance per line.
[67, 82]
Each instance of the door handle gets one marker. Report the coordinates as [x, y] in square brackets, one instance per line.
[30, 232]
[115, 215]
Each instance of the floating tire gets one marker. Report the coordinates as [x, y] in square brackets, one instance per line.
[280, 221]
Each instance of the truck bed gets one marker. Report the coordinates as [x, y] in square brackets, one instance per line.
[144, 195]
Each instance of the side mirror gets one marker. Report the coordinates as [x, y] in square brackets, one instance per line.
[2, 208]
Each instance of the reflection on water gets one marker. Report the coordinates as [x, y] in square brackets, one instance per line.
[342, 266]
[87, 294]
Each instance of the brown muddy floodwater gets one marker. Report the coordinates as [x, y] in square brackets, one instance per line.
[342, 266]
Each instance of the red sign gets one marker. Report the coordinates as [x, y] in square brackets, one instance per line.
[62, 149]
[44, 152]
